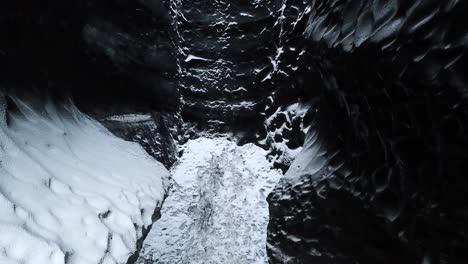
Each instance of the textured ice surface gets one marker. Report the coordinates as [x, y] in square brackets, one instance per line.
[280, 127]
[71, 192]
[130, 118]
[312, 159]
[217, 211]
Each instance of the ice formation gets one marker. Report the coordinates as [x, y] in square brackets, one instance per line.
[70, 191]
[217, 210]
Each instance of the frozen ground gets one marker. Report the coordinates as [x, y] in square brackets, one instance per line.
[70, 191]
[217, 210]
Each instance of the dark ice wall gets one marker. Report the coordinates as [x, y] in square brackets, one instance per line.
[224, 55]
[386, 159]
[156, 132]
[289, 78]
[232, 59]
[102, 52]
[241, 67]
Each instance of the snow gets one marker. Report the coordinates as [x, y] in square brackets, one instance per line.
[246, 14]
[71, 192]
[217, 210]
[193, 57]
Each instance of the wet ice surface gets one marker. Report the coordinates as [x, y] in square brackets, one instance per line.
[217, 210]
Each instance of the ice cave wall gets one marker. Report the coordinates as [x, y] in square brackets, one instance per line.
[382, 176]
[115, 59]
[112, 57]
[235, 57]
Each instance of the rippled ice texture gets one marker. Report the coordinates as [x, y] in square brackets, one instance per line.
[217, 210]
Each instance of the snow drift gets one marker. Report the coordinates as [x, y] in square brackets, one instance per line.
[70, 191]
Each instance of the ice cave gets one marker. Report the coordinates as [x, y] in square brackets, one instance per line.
[234, 132]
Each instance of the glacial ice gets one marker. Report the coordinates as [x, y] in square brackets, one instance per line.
[217, 210]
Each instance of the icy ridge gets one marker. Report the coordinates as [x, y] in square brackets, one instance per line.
[70, 191]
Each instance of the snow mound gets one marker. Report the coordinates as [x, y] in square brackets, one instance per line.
[70, 191]
[217, 211]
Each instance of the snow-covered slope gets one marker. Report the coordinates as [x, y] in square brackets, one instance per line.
[217, 211]
[70, 191]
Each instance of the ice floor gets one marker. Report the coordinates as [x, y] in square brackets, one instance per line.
[217, 210]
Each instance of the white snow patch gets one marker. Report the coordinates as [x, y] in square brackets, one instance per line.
[217, 211]
[298, 109]
[193, 57]
[246, 14]
[71, 190]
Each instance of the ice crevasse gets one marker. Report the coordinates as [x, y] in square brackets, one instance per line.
[70, 191]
